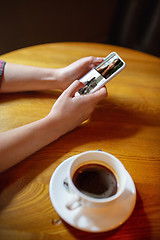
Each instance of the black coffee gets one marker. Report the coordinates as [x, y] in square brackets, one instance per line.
[95, 180]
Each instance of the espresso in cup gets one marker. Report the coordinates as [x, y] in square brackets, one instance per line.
[95, 180]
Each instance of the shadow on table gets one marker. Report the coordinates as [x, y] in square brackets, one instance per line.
[111, 119]
[10, 97]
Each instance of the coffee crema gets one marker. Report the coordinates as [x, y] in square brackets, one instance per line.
[95, 180]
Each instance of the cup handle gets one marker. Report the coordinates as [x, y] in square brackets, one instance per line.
[74, 203]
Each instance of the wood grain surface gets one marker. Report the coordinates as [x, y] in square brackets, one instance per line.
[126, 124]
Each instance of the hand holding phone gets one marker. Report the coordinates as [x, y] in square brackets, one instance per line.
[100, 75]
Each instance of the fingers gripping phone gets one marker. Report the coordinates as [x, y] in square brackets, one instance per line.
[100, 75]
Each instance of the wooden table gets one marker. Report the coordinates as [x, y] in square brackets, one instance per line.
[126, 124]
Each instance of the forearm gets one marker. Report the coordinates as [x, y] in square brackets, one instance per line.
[67, 113]
[26, 78]
[19, 143]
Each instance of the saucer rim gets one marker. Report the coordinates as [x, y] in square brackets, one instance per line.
[67, 161]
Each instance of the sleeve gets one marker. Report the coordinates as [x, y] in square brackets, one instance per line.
[2, 64]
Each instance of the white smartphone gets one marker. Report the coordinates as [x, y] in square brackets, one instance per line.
[100, 75]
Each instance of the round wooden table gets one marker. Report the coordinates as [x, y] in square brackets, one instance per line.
[126, 124]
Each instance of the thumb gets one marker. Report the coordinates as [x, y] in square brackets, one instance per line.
[74, 87]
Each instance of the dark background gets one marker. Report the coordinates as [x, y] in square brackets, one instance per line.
[131, 23]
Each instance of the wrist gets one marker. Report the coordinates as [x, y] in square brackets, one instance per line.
[48, 130]
[49, 78]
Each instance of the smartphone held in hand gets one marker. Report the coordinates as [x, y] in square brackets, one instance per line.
[100, 75]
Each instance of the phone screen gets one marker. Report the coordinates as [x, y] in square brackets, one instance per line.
[102, 73]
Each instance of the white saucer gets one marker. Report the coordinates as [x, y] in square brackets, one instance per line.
[90, 219]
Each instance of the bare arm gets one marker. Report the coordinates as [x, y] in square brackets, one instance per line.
[19, 143]
[25, 78]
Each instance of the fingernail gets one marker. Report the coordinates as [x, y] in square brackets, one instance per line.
[99, 59]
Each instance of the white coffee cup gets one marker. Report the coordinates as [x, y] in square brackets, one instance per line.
[107, 160]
